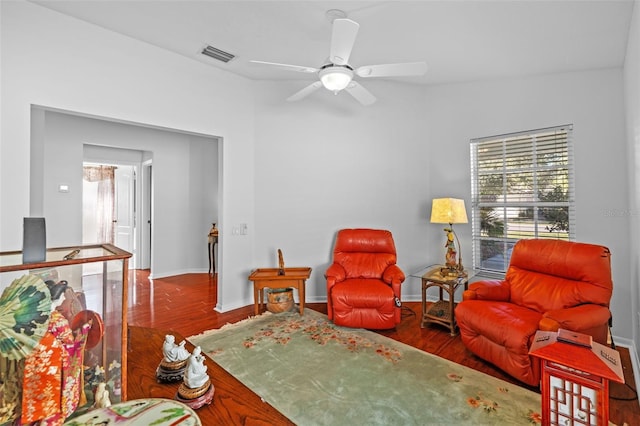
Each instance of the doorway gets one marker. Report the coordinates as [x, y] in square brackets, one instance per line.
[109, 206]
[174, 208]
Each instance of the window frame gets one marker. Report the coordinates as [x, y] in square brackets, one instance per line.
[503, 166]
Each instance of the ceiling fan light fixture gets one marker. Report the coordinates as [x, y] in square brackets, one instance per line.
[335, 78]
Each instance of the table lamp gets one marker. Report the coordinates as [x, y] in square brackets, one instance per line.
[450, 210]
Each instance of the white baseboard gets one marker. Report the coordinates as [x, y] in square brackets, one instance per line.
[230, 307]
[165, 274]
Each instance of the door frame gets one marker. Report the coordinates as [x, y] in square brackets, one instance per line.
[135, 206]
[145, 258]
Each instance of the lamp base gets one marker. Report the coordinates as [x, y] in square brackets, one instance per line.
[455, 271]
[448, 272]
[453, 258]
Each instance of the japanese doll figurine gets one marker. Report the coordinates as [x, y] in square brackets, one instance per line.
[53, 381]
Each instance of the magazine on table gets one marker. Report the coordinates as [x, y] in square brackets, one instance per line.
[575, 338]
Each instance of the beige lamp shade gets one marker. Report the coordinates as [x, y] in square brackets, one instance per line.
[448, 210]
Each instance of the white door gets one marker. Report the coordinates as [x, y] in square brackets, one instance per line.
[124, 217]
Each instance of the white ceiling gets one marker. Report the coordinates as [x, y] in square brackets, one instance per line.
[459, 40]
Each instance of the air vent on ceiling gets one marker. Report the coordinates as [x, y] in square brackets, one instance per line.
[218, 54]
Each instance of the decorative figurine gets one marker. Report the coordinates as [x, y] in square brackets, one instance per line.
[450, 257]
[195, 376]
[196, 389]
[101, 396]
[213, 232]
[212, 239]
[173, 352]
[54, 369]
[280, 263]
[174, 360]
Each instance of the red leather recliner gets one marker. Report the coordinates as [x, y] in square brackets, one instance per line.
[550, 284]
[363, 283]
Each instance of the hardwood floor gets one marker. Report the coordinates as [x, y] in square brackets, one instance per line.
[184, 305]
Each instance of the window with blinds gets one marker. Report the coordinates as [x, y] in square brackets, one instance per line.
[522, 186]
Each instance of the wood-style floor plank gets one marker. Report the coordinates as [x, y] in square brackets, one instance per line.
[184, 305]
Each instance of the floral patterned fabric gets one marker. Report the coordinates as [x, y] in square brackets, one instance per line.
[53, 386]
[42, 385]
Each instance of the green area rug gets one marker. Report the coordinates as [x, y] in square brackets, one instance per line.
[316, 373]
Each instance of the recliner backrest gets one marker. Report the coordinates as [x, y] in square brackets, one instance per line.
[553, 274]
[364, 253]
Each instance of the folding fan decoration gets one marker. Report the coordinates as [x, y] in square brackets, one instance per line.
[337, 74]
[97, 326]
[25, 308]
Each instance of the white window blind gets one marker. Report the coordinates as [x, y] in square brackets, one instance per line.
[522, 186]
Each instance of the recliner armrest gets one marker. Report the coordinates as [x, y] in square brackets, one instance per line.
[335, 273]
[497, 290]
[577, 318]
[393, 275]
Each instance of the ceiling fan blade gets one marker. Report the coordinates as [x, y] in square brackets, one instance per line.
[392, 70]
[287, 67]
[361, 94]
[305, 92]
[342, 40]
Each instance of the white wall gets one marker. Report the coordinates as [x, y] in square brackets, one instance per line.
[632, 104]
[326, 163]
[125, 80]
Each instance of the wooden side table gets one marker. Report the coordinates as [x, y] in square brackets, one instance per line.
[268, 278]
[442, 311]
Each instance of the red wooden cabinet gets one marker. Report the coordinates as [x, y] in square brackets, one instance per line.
[575, 380]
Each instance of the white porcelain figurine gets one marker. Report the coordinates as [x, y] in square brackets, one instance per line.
[101, 397]
[195, 374]
[173, 352]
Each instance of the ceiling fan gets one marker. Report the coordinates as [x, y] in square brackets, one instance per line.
[337, 74]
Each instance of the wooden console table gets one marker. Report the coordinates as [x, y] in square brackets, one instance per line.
[268, 278]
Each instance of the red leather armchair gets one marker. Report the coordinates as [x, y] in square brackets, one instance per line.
[363, 283]
[550, 284]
